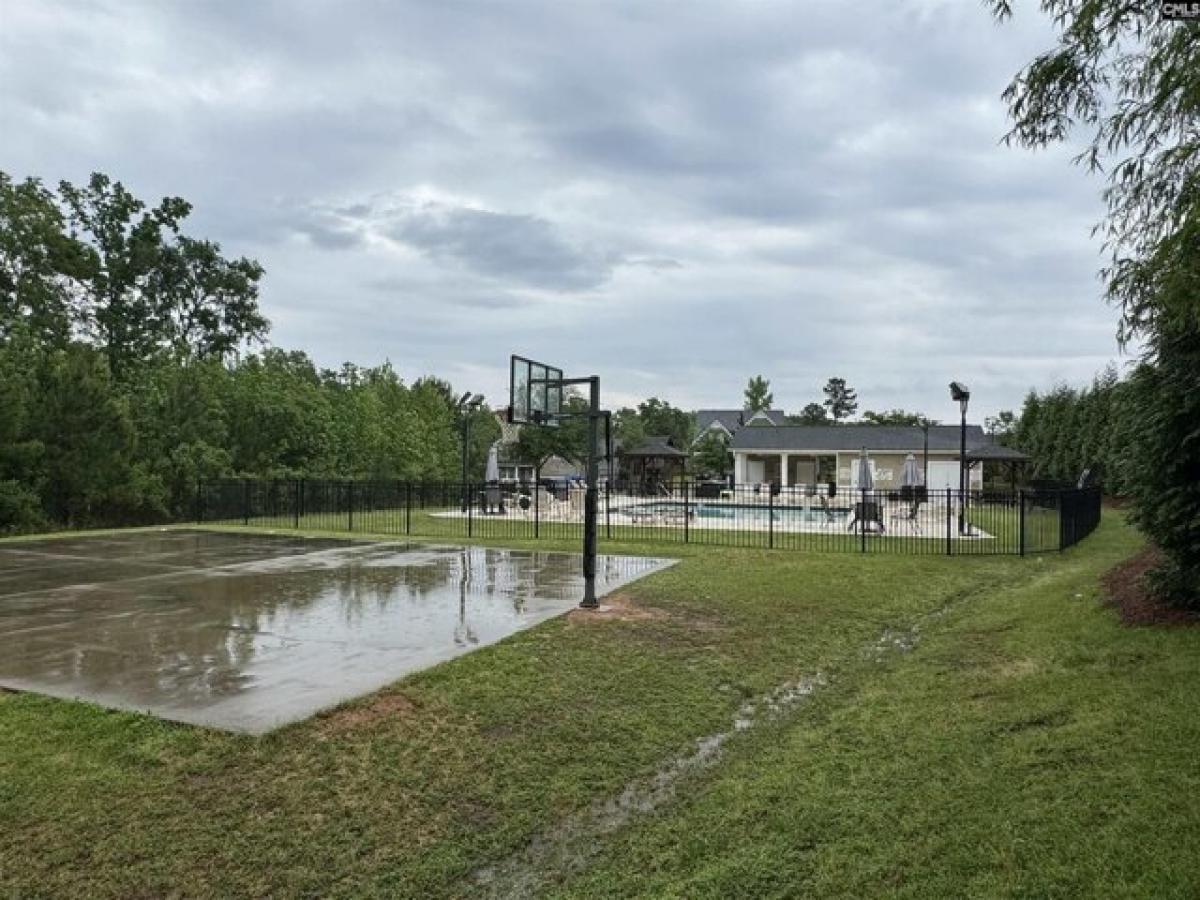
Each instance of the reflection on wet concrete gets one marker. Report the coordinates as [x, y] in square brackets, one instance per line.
[250, 632]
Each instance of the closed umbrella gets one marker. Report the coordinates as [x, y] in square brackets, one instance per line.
[492, 476]
[912, 478]
[865, 481]
[493, 464]
[866, 513]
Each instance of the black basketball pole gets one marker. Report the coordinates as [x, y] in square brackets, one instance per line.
[590, 498]
[591, 501]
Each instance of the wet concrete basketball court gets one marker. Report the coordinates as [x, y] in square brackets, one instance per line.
[250, 632]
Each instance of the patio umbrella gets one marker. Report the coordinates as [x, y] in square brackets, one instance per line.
[910, 476]
[865, 481]
[492, 476]
[493, 463]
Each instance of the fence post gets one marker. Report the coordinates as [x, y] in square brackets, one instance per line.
[296, 503]
[608, 510]
[349, 505]
[470, 509]
[1021, 521]
[536, 510]
[949, 521]
[687, 513]
[408, 507]
[199, 500]
[770, 518]
[245, 501]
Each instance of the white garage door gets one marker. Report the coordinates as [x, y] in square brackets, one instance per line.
[943, 474]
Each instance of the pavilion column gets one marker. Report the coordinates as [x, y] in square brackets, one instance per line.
[783, 470]
[739, 468]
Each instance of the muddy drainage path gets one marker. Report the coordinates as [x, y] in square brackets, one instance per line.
[570, 847]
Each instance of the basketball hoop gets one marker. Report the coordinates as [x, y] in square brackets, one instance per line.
[535, 397]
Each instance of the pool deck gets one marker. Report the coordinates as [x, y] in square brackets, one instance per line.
[793, 514]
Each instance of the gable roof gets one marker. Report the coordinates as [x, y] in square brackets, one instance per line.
[850, 438]
[733, 419]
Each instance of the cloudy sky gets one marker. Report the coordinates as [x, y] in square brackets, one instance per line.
[671, 195]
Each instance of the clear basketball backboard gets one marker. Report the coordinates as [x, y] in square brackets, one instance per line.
[535, 392]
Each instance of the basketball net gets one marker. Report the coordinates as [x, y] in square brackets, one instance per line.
[508, 430]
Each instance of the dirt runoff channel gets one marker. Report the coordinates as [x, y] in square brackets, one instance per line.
[574, 842]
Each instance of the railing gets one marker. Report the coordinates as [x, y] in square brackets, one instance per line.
[797, 518]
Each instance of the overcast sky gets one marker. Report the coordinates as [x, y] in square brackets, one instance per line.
[673, 196]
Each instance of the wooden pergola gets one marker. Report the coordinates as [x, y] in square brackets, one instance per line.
[1012, 460]
[653, 462]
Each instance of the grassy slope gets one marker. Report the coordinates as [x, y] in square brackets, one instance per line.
[1029, 746]
[407, 792]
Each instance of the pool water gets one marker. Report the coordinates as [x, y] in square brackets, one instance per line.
[739, 512]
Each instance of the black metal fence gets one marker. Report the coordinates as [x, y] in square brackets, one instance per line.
[797, 518]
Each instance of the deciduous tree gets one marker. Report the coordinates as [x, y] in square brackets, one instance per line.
[1129, 80]
[711, 455]
[892, 417]
[812, 414]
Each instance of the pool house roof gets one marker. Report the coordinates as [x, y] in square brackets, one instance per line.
[734, 419]
[852, 438]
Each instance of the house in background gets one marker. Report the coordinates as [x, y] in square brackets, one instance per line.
[514, 471]
[730, 421]
[817, 454]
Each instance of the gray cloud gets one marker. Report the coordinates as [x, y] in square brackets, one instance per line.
[672, 199]
[399, 288]
[512, 248]
[524, 249]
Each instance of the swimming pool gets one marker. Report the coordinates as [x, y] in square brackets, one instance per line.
[736, 512]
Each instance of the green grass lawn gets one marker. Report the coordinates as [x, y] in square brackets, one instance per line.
[1026, 745]
[1029, 746]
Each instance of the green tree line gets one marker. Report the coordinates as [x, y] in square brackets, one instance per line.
[1066, 430]
[1127, 81]
[126, 372]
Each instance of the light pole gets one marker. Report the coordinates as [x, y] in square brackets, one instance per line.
[962, 396]
[467, 404]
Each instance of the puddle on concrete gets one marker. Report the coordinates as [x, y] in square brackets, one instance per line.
[249, 632]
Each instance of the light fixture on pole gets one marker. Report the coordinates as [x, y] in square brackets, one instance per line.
[466, 405]
[960, 395]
